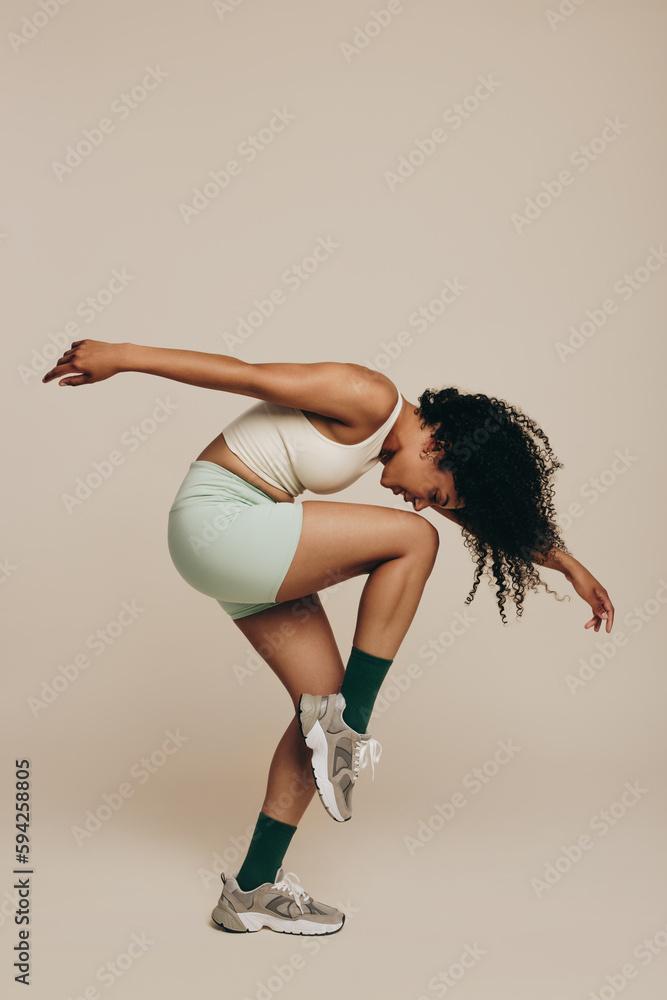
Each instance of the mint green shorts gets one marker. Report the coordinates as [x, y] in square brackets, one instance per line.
[230, 540]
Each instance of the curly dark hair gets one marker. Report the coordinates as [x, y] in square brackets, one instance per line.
[501, 462]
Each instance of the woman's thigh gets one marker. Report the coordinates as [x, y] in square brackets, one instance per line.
[342, 540]
[296, 640]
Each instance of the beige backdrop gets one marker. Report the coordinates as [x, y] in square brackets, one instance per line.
[500, 166]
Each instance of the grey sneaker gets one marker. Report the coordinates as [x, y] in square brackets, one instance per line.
[283, 905]
[338, 751]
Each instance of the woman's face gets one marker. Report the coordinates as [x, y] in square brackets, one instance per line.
[419, 479]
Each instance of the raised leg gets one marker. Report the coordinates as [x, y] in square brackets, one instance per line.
[397, 549]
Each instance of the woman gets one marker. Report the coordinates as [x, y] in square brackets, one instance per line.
[236, 534]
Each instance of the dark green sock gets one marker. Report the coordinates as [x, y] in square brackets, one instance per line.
[268, 845]
[363, 679]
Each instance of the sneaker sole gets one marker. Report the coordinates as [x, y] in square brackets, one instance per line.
[228, 920]
[317, 741]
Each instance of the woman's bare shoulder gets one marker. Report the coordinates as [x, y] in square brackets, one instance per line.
[380, 393]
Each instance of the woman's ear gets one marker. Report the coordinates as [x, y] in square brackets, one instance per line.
[437, 448]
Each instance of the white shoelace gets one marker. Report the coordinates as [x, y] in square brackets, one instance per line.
[293, 888]
[363, 751]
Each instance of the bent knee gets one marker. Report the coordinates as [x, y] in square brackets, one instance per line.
[426, 539]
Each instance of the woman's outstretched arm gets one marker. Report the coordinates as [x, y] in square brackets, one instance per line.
[583, 581]
[584, 584]
[350, 393]
[89, 361]
[209, 371]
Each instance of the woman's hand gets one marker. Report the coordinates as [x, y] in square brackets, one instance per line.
[89, 361]
[592, 591]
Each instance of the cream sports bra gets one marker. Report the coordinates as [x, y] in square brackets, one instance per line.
[280, 444]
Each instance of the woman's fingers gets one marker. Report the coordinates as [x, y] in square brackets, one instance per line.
[67, 369]
[62, 368]
[64, 364]
[88, 361]
[606, 611]
[603, 608]
[609, 614]
[596, 620]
